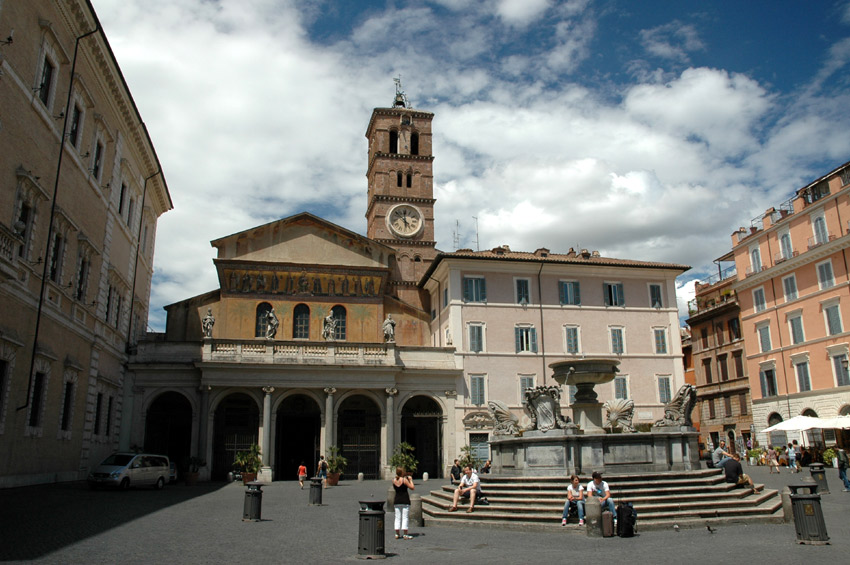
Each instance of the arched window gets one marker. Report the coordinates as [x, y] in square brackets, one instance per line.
[810, 413]
[755, 259]
[845, 411]
[785, 245]
[263, 310]
[417, 259]
[409, 180]
[821, 234]
[339, 316]
[398, 178]
[301, 322]
[414, 143]
[773, 419]
[393, 141]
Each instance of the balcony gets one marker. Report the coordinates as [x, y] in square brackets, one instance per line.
[299, 353]
[9, 242]
[782, 257]
[818, 241]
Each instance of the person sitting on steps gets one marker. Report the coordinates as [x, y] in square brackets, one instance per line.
[735, 473]
[470, 486]
[575, 498]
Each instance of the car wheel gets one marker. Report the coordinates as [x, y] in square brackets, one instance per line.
[125, 484]
[160, 483]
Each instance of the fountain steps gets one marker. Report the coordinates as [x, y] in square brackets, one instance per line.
[686, 499]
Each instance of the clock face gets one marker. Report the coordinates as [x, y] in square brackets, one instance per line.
[405, 220]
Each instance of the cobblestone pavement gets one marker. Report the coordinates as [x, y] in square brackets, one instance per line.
[68, 523]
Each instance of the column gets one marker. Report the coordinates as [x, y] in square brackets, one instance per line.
[266, 470]
[391, 394]
[203, 431]
[329, 417]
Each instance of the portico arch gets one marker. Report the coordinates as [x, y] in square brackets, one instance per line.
[168, 427]
[422, 427]
[297, 434]
[359, 434]
[235, 428]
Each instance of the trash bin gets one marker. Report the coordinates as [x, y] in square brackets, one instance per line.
[370, 541]
[819, 475]
[315, 491]
[253, 502]
[808, 515]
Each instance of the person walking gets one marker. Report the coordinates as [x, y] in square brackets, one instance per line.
[322, 471]
[772, 460]
[302, 474]
[402, 484]
[843, 464]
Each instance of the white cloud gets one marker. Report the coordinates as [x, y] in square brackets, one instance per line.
[521, 12]
[672, 41]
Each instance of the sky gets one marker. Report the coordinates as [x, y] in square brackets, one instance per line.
[646, 130]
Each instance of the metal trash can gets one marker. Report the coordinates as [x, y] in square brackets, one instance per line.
[253, 502]
[808, 515]
[315, 491]
[370, 541]
[819, 475]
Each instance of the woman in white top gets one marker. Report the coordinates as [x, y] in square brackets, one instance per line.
[575, 496]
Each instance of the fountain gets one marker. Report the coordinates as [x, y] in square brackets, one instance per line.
[553, 445]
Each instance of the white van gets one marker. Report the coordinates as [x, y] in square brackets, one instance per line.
[124, 470]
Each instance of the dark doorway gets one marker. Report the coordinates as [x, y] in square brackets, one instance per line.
[422, 427]
[359, 436]
[296, 437]
[236, 424]
[168, 427]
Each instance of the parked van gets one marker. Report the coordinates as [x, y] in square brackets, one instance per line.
[124, 470]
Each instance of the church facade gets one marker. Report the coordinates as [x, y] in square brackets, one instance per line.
[318, 336]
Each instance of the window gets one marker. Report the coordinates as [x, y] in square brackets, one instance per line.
[718, 332]
[414, 143]
[526, 339]
[476, 390]
[98, 411]
[759, 303]
[409, 180]
[617, 342]
[734, 329]
[572, 339]
[474, 289]
[394, 142]
[117, 319]
[722, 368]
[398, 179]
[74, 134]
[445, 297]
[825, 278]
[706, 370]
[755, 259]
[130, 204]
[743, 404]
[57, 252]
[738, 359]
[785, 246]
[525, 382]
[833, 319]
[109, 416]
[764, 338]
[839, 365]
[727, 406]
[804, 382]
[45, 87]
[703, 335]
[789, 285]
[621, 387]
[613, 293]
[655, 295]
[121, 198]
[569, 292]
[84, 265]
[67, 405]
[300, 322]
[476, 337]
[819, 228]
[24, 224]
[523, 291]
[712, 414]
[664, 390]
[768, 382]
[37, 400]
[795, 324]
[98, 159]
[660, 341]
[479, 446]
[339, 317]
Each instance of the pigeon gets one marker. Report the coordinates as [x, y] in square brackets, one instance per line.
[676, 528]
[709, 528]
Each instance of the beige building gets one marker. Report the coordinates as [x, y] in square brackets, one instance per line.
[792, 287]
[80, 193]
[510, 314]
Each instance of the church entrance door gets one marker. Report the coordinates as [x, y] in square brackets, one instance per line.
[297, 437]
[237, 419]
[168, 428]
[422, 427]
[359, 436]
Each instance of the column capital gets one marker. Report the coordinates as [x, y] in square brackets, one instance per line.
[451, 394]
[268, 389]
[330, 391]
[391, 391]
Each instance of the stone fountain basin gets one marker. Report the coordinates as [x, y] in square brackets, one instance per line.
[585, 371]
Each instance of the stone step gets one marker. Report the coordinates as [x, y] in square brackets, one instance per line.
[617, 491]
[609, 477]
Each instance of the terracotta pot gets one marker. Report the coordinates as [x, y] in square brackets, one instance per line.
[333, 479]
[248, 478]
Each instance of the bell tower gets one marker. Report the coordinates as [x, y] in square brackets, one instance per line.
[400, 211]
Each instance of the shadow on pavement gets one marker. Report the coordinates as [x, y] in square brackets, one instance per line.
[39, 520]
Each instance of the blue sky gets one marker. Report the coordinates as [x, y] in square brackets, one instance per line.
[645, 130]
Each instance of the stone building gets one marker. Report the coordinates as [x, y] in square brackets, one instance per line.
[719, 359]
[81, 191]
[792, 283]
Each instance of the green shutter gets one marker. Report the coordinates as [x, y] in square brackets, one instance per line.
[517, 338]
[576, 293]
[533, 332]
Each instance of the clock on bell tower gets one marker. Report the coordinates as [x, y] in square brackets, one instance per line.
[400, 212]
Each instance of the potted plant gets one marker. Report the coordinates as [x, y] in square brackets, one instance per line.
[468, 458]
[829, 456]
[403, 457]
[249, 463]
[336, 465]
[193, 467]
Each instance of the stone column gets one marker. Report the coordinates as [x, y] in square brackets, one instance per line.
[391, 394]
[265, 475]
[203, 431]
[329, 417]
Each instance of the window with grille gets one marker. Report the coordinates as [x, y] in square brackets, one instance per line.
[617, 342]
[476, 390]
[339, 316]
[664, 389]
[474, 289]
[569, 292]
[479, 447]
[476, 337]
[300, 322]
[621, 387]
[526, 339]
[572, 339]
[613, 293]
[660, 341]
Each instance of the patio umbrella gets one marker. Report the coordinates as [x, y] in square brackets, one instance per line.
[838, 423]
[798, 423]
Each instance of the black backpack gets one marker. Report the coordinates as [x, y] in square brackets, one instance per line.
[626, 520]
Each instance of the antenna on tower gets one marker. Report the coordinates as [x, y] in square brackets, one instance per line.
[477, 243]
[456, 235]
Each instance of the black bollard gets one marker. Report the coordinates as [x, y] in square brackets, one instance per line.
[370, 541]
[253, 502]
[315, 491]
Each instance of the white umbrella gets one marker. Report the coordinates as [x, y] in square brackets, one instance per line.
[798, 423]
[838, 423]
